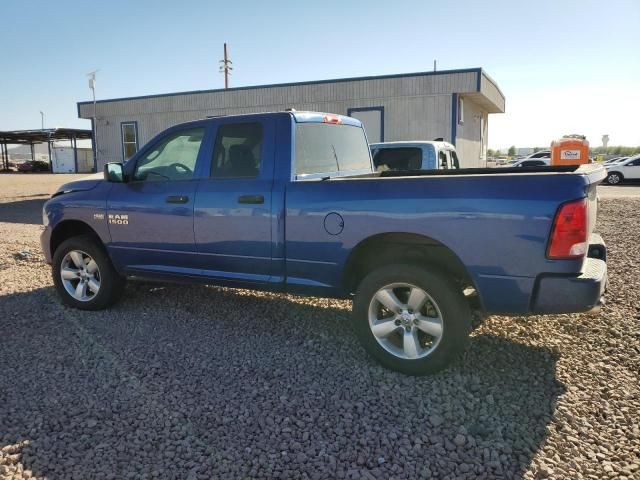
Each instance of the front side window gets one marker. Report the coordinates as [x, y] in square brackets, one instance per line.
[328, 148]
[129, 139]
[443, 160]
[172, 158]
[455, 163]
[238, 151]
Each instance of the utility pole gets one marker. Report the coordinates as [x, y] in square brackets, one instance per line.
[434, 65]
[42, 119]
[92, 86]
[226, 67]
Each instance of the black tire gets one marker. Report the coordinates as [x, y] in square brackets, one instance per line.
[615, 178]
[455, 314]
[111, 283]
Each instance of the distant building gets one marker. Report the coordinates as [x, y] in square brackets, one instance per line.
[524, 151]
[451, 104]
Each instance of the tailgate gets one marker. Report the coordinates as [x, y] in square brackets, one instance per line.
[594, 175]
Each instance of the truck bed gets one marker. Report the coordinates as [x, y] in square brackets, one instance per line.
[481, 171]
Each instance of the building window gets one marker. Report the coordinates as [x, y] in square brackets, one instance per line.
[129, 139]
[460, 110]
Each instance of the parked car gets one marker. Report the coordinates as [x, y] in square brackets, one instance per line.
[415, 155]
[615, 160]
[33, 166]
[290, 202]
[528, 162]
[542, 155]
[628, 169]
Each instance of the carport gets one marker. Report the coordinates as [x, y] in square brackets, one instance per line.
[48, 136]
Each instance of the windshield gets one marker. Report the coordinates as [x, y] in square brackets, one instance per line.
[330, 148]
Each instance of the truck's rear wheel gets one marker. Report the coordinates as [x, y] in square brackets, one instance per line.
[84, 276]
[411, 320]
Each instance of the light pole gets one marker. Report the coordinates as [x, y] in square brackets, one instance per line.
[42, 119]
[92, 86]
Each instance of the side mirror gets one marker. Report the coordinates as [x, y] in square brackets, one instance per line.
[113, 172]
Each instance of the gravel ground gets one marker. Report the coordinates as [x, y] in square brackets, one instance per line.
[201, 382]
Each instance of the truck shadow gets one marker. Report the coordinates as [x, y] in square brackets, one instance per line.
[27, 211]
[204, 374]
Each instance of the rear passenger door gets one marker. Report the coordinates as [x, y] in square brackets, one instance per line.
[233, 207]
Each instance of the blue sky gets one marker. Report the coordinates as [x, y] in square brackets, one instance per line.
[564, 66]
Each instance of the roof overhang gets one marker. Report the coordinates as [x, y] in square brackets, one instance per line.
[27, 137]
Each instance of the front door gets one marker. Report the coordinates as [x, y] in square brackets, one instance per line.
[151, 216]
[233, 221]
[631, 170]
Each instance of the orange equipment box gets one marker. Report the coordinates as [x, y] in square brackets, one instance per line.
[570, 150]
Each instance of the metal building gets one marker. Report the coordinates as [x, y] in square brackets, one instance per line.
[452, 104]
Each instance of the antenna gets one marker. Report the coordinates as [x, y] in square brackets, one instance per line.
[92, 86]
[92, 79]
[225, 67]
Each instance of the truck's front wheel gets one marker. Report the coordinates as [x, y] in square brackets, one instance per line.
[411, 320]
[84, 276]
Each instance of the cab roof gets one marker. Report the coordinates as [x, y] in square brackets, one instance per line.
[298, 116]
[415, 143]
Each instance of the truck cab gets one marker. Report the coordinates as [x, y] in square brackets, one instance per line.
[414, 155]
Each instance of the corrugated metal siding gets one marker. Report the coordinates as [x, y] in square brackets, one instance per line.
[416, 107]
[289, 95]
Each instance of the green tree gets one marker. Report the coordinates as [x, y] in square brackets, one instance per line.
[490, 153]
[512, 151]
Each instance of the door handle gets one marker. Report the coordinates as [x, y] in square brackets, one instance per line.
[251, 199]
[177, 199]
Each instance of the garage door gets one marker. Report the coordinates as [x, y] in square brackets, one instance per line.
[373, 120]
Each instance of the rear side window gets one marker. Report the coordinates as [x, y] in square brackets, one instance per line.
[327, 148]
[238, 150]
[398, 159]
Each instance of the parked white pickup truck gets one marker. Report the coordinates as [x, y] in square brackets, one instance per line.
[414, 155]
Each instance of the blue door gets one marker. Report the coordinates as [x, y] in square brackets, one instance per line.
[233, 220]
[151, 216]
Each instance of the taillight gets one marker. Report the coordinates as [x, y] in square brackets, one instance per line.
[330, 118]
[569, 237]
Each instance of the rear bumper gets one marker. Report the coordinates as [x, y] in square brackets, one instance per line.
[569, 294]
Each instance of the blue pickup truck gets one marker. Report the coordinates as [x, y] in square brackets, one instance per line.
[290, 202]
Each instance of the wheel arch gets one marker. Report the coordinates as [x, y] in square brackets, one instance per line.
[398, 247]
[68, 229]
[616, 171]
